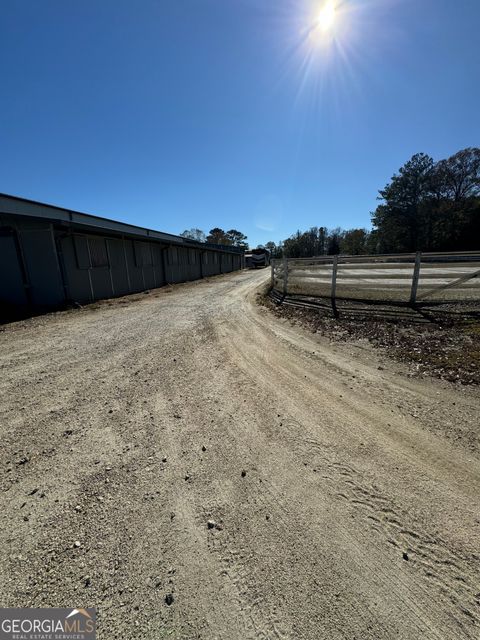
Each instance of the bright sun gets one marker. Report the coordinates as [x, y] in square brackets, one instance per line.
[326, 17]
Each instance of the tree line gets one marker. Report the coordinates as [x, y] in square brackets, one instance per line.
[231, 238]
[427, 206]
[319, 241]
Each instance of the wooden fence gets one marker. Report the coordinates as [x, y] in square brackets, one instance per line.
[401, 278]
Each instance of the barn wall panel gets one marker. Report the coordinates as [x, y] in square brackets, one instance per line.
[157, 251]
[12, 291]
[76, 271]
[101, 283]
[42, 269]
[135, 271]
[118, 266]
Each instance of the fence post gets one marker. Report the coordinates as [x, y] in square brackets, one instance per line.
[272, 279]
[334, 285]
[334, 277]
[416, 275]
[285, 275]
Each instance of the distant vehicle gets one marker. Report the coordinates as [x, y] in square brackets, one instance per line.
[257, 258]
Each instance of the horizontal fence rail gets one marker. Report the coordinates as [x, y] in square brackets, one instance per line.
[403, 278]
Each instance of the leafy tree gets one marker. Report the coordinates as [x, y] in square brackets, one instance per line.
[431, 206]
[371, 243]
[275, 251]
[194, 234]
[309, 243]
[402, 218]
[354, 242]
[237, 238]
[458, 177]
[217, 236]
[322, 241]
[334, 242]
[314, 242]
[291, 246]
[457, 202]
[278, 250]
[232, 238]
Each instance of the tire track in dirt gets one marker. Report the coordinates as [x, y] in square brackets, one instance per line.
[455, 587]
[285, 518]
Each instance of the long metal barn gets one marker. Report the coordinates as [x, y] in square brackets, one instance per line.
[51, 257]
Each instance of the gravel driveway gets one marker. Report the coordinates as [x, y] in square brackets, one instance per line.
[195, 467]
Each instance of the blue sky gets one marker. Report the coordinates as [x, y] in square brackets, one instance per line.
[174, 114]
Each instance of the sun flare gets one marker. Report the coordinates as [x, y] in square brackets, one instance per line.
[326, 17]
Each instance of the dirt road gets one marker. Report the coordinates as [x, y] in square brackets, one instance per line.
[343, 495]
